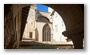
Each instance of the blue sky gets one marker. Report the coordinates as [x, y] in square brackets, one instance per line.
[42, 7]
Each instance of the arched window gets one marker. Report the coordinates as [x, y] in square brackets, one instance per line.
[46, 33]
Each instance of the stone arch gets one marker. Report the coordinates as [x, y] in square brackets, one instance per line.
[73, 17]
[46, 33]
[42, 19]
[74, 21]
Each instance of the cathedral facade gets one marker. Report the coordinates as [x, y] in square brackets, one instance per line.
[40, 27]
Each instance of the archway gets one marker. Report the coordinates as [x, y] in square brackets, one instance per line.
[74, 20]
[46, 33]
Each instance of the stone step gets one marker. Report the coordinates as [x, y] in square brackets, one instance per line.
[38, 45]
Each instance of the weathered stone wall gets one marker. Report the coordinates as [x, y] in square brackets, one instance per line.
[12, 25]
[9, 31]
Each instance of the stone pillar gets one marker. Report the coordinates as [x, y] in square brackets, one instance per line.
[78, 41]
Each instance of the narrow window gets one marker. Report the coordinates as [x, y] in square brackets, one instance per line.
[30, 34]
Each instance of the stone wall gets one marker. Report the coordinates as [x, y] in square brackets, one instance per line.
[9, 31]
[12, 25]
